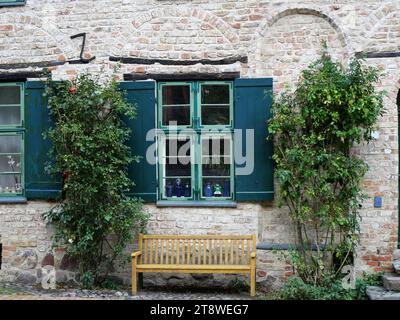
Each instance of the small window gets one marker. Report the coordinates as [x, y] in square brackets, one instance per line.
[11, 139]
[4, 3]
[176, 104]
[215, 104]
[195, 148]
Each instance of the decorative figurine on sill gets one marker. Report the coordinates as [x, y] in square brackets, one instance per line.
[227, 189]
[178, 188]
[168, 189]
[187, 190]
[217, 190]
[208, 192]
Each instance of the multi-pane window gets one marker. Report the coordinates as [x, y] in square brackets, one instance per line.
[195, 142]
[11, 139]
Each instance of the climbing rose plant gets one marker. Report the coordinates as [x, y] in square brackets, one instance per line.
[95, 221]
[315, 128]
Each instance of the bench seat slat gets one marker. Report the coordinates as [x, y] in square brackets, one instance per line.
[189, 268]
[206, 237]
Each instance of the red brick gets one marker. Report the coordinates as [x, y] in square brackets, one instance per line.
[236, 25]
[254, 17]
[185, 56]
[6, 27]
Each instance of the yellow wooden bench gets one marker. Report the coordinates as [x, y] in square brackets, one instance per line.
[227, 254]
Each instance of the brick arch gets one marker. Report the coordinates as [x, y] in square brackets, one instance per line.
[290, 40]
[185, 12]
[136, 28]
[377, 20]
[272, 19]
[23, 22]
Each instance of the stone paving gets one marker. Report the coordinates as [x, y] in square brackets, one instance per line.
[13, 292]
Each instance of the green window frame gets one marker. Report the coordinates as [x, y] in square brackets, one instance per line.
[12, 154]
[197, 130]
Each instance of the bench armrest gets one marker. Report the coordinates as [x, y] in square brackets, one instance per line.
[136, 254]
[253, 255]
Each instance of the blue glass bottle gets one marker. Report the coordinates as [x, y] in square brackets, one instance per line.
[169, 189]
[208, 192]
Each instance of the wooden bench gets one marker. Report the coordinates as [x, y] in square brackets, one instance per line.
[225, 254]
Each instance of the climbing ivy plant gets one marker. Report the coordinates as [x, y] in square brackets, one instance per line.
[95, 221]
[315, 128]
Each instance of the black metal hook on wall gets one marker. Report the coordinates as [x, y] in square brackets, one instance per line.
[81, 58]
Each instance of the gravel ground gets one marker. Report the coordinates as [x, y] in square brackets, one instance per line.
[10, 291]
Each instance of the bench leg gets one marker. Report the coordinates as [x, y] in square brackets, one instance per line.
[253, 278]
[134, 277]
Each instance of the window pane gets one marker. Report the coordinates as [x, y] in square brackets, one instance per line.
[216, 146]
[177, 180]
[10, 144]
[178, 160]
[216, 162]
[10, 95]
[215, 104]
[10, 163]
[178, 114]
[178, 166]
[10, 183]
[175, 95]
[216, 187]
[177, 187]
[215, 115]
[216, 166]
[10, 115]
[177, 147]
[215, 94]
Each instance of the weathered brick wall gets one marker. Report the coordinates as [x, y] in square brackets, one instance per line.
[279, 38]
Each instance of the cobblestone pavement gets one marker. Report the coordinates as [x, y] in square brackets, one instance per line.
[141, 296]
[12, 292]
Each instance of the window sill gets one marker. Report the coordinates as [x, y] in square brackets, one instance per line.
[197, 204]
[8, 200]
[12, 3]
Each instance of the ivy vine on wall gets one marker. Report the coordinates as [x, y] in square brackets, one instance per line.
[315, 128]
[95, 221]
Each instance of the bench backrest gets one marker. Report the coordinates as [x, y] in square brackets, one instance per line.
[196, 250]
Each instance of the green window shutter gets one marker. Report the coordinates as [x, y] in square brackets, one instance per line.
[38, 183]
[142, 94]
[252, 110]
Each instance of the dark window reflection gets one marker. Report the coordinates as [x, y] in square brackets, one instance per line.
[215, 94]
[175, 95]
[10, 95]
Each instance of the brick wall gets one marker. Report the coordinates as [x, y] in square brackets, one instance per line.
[279, 38]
